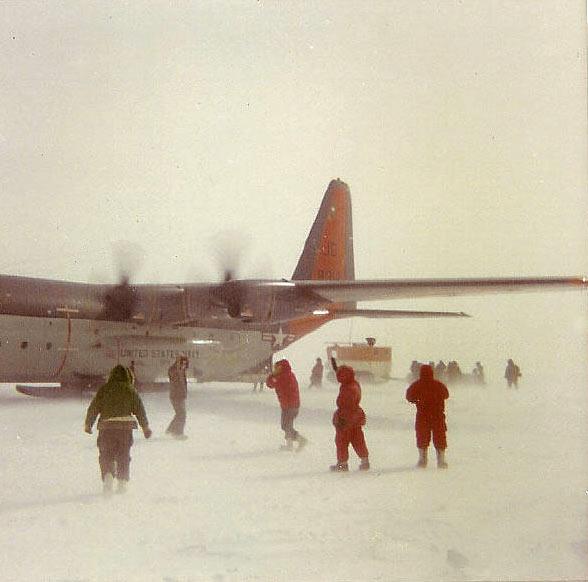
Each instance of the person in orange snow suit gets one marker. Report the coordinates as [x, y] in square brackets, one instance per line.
[284, 382]
[348, 420]
[429, 395]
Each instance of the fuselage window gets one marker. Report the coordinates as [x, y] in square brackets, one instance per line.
[24, 345]
[48, 345]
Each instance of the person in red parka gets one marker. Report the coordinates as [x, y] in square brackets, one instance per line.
[284, 382]
[348, 420]
[429, 395]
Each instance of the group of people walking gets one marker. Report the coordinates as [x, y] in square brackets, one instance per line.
[349, 418]
[119, 410]
[452, 373]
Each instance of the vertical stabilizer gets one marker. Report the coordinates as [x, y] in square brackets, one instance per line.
[327, 254]
[328, 251]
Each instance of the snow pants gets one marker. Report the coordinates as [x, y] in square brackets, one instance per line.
[350, 436]
[176, 426]
[287, 421]
[114, 446]
[425, 427]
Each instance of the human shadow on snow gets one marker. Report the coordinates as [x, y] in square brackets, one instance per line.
[84, 498]
[373, 472]
[238, 455]
[236, 404]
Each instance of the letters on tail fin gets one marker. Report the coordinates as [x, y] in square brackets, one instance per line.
[328, 251]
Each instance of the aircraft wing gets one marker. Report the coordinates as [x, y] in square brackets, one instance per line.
[393, 313]
[373, 290]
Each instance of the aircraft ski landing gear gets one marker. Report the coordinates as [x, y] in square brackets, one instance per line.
[50, 391]
[72, 389]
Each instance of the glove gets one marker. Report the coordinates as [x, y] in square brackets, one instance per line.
[147, 432]
[88, 429]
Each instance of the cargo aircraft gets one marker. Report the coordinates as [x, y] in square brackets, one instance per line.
[74, 333]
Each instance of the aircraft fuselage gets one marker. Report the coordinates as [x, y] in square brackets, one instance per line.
[77, 351]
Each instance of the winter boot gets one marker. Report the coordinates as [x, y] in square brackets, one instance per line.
[301, 442]
[289, 446]
[422, 463]
[121, 486]
[107, 483]
[339, 467]
[365, 464]
[441, 463]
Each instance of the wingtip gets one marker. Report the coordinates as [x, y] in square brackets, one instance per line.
[580, 281]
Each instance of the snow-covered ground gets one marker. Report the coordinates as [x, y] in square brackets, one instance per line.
[226, 504]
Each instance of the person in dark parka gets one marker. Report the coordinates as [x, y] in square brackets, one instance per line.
[119, 406]
[348, 420]
[429, 395]
[284, 382]
[478, 374]
[439, 370]
[316, 374]
[178, 393]
[512, 373]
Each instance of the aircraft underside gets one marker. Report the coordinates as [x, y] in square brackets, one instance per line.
[77, 352]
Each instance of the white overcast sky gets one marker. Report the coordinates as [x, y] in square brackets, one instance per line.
[460, 127]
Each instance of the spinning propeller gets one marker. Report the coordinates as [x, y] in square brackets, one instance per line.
[231, 292]
[120, 301]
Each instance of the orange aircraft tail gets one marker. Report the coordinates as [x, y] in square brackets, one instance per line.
[328, 251]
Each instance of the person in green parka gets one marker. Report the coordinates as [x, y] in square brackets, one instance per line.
[120, 408]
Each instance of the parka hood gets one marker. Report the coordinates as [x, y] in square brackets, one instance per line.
[120, 376]
[283, 366]
[345, 374]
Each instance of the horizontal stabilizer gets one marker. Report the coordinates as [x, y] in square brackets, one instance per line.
[377, 313]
